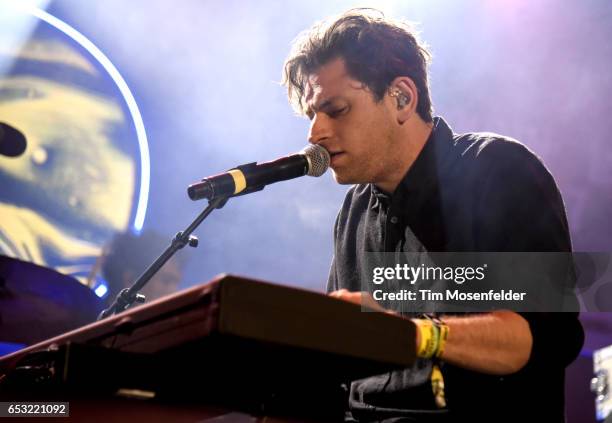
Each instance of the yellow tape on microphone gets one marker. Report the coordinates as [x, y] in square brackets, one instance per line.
[239, 180]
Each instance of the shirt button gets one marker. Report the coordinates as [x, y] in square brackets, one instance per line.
[394, 220]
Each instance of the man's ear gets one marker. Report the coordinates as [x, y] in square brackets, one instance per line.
[404, 93]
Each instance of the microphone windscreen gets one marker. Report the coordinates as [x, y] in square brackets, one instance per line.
[318, 159]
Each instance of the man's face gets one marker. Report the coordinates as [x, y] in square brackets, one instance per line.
[359, 133]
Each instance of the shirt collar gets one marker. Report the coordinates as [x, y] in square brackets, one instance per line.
[434, 157]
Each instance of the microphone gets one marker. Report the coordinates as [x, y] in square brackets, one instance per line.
[12, 141]
[313, 160]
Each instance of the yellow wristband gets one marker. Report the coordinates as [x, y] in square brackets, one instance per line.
[433, 336]
[424, 335]
[429, 338]
[437, 386]
[444, 331]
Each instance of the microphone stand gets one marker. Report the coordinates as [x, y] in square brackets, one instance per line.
[128, 296]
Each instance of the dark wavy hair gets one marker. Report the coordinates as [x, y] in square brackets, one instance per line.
[375, 49]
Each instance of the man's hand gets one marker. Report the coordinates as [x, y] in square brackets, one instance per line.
[362, 298]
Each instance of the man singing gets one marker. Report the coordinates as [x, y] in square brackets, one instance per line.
[362, 81]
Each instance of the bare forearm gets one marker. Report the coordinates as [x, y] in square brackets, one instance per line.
[496, 343]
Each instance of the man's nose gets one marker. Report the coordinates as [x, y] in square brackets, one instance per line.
[320, 129]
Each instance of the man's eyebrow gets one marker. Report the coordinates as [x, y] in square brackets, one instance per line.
[310, 109]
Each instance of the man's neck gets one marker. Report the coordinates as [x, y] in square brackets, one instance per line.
[414, 136]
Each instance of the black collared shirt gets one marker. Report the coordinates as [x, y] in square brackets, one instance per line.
[470, 192]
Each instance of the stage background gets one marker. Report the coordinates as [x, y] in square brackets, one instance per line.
[205, 75]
